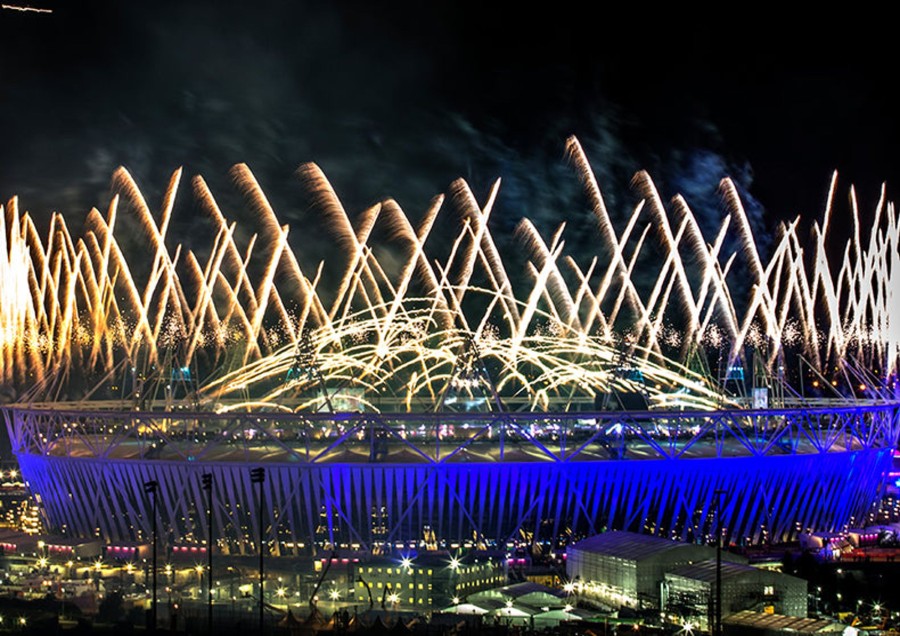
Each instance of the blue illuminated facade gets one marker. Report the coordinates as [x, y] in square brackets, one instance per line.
[371, 481]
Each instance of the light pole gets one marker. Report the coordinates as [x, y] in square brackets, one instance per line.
[150, 488]
[258, 476]
[718, 628]
[206, 479]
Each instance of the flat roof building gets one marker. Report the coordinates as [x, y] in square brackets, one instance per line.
[627, 568]
[424, 581]
[748, 623]
[687, 591]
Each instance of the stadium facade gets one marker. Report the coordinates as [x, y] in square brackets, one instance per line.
[379, 481]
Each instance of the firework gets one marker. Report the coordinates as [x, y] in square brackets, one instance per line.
[241, 320]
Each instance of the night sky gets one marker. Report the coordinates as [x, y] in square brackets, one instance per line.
[400, 99]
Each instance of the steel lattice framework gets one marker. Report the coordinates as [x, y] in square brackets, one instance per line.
[489, 478]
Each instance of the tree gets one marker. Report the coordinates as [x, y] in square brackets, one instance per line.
[111, 608]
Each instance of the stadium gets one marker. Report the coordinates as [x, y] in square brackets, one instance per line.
[487, 481]
[411, 392]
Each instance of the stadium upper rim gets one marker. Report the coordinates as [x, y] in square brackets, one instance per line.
[430, 438]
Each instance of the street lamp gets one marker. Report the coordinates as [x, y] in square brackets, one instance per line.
[258, 476]
[150, 488]
[206, 480]
[718, 628]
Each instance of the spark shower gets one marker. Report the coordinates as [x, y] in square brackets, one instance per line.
[406, 320]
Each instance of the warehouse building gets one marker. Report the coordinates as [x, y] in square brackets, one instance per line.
[627, 568]
[687, 591]
[748, 623]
